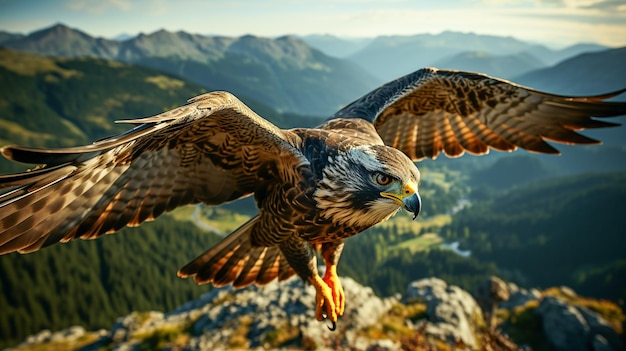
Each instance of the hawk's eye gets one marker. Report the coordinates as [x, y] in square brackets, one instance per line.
[382, 179]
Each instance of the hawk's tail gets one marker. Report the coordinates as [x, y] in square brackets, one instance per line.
[235, 260]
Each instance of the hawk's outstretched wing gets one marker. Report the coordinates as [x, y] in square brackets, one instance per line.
[212, 150]
[430, 111]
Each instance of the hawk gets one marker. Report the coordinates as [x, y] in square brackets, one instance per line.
[314, 187]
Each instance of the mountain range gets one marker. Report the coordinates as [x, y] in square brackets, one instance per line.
[283, 72]
[336, 46]
[502, 66]
[312, 75]
[389, 57]
[584, 74]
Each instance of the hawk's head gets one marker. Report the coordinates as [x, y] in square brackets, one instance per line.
[366, 185]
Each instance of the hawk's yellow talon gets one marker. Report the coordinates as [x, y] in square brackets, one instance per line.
[324, 303]
[332, 280]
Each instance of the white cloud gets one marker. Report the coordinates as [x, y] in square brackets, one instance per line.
[604, 5]
[529, 3]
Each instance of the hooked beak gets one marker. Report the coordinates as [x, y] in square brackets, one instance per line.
[408, 198]
[411, 199]
[413, 204]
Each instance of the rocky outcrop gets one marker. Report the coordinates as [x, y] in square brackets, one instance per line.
[432, 313]
[70, 334]
[281, 315]
[519, 296]
[489, 294]
[452, 313]
[575, 328]
[565, 323]
[266, 311]
[272, 316]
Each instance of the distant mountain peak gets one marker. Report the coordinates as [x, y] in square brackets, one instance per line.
[289, 37]
[163, 30]
[248, 37]
[59, 26]
[59, 29]
[64, 41]
[123, 37]
[294, 41]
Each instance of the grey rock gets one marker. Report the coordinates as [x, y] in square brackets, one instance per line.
[383, 345]
[600, 327]
[492, 290]
[137, 320]
[488, 294]
[69, 335]
[600, 343]
[74, 332]
[596, 323]
[41, 337]
[575, 328]
[512, 287]
[519, 297]
[130, 346]
[451, 311]
[567, 291]
[119, 335]
[563, 325]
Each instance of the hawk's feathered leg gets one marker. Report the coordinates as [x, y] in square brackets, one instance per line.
[302, 258]
[331, 252]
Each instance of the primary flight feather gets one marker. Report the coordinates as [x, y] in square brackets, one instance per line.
[314, 187]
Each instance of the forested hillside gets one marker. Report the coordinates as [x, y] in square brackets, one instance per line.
[63, 102]
[90, 283]
[565, 231]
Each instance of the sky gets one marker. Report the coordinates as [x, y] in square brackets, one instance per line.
[557, 23]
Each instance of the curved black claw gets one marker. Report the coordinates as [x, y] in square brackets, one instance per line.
[334, 327]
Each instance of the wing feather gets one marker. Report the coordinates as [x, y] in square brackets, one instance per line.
[285, 271]
[450, 145]
[212, 150]
[432, 111]
[270, 267]
[235, 260]
[250, 271]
